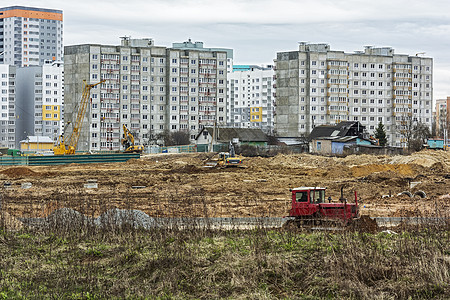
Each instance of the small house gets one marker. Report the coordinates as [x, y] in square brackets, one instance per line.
[220, 138]
[37, 144]
[333, 139]
[336, 145]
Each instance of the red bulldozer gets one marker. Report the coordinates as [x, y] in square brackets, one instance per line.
[310, 207]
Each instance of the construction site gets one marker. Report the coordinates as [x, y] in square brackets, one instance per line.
[184, 186]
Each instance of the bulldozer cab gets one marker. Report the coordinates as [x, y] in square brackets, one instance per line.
[318, 196]
[301, 196]
[224, 155]
[313, 196]
[310, 202]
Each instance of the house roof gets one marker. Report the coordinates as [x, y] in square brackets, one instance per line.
[243, 134]
[38, 139]
[341, 139]
[346, 128]
[292, 141]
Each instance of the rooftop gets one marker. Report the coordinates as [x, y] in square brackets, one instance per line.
[243, 134]
[31, 9]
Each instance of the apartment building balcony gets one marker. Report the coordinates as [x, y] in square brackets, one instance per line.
[110, 130]
[338, 67]
[207, 84]
[109, 119]
[337, 112]
[207, 102]
[206, 122]
[110, 60]
[208, 75]
[109, 100]
[403, 69]
[111, 80]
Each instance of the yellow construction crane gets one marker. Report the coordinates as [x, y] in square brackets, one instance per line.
[62, 148]
[128, 142]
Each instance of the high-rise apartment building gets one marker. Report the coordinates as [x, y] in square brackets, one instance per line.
[7, 106]
[39, 98]
[150, 89]
[316, 85]
[442, 117]
[30, 36]
[250, 97]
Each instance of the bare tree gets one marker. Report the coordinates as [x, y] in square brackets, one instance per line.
[167, 138]
[164, 138]
[180, 137]
[414, 132]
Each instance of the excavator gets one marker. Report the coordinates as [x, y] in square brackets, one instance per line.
[128, 142]
[68, 147]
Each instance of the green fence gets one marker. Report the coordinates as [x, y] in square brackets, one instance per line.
[68, 159]
[216, 147]
[13, 160]
[178, 149]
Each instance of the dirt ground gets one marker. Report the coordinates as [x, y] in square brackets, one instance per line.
[178, 185]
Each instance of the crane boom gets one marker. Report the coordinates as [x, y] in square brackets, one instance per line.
[71, 146]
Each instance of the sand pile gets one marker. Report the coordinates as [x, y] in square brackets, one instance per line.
[401, 169]
[18, 172]
[425, 158]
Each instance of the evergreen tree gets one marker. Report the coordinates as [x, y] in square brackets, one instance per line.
[380, 134]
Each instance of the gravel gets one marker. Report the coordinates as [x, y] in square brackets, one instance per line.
[120, 217]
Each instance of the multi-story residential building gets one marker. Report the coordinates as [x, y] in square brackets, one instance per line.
[199, 46]
[442, 117]
[39, 98]
[30, 36]
[250, 97]
[7, 106]
[148, 88]
[316, 85]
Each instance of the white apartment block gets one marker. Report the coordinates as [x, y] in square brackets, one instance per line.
[442, 117]
[150, 89]
[39, 97]
[30, 36]
[316, 86]
[7, 106]
[250, 97]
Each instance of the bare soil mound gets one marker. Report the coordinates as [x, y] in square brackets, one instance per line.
[366, 224]
[19, 172]
[401, 169]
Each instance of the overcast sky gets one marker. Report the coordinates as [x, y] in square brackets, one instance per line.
[258, 29]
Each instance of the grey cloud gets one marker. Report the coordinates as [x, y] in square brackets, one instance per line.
[256, 30]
